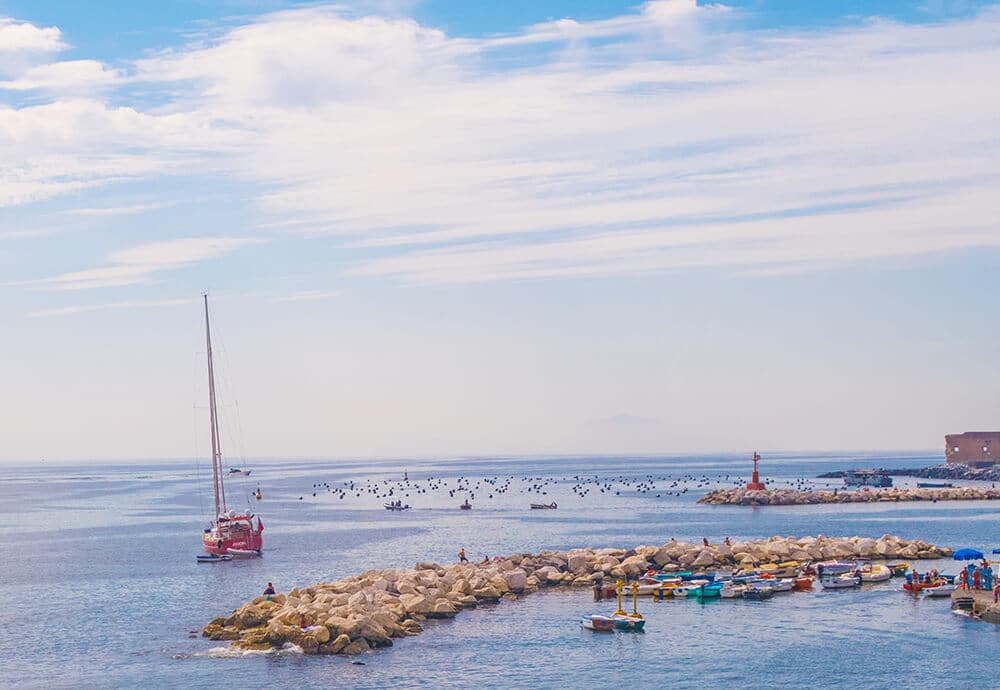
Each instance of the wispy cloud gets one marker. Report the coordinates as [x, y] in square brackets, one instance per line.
[668, 137]
[306, 295]
[140, 264]
[118, 210]
[84, 308]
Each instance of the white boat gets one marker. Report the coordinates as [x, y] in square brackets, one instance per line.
[237, 472]
[839, 582]
[598, 623]
[877, 573]
[781, 584]
[243, 553]
[940, 591]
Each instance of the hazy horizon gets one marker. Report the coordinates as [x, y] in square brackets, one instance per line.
[434, 228]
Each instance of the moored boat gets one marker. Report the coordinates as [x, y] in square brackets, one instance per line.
[598, 623]
[213, 558]
[942, 590]
[628, 622]
[876, 573]
[898, 569]
[840, 581]
[934, 485]
[732, 591]
[758, 593]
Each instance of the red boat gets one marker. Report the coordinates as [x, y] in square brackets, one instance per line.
[466, 506]
[803, 583]
[230, 533]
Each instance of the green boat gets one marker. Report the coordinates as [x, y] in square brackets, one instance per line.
[712, 591]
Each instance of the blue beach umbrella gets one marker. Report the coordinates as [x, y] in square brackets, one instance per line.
[996, 550]
[967, 555]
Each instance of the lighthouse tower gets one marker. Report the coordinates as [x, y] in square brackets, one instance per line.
[755, 483]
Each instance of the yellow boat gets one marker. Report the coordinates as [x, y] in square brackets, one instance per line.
[784, 569]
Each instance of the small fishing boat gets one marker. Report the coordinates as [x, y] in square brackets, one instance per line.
[237, 472]
[840, 581]
[781, 584]
[803, 583]
[466, 506]
[668, 577]
[732, 591]
[213, 558]
[544, 506]
[898, 569]
[629, 622]
[942, 590]
[713, 591]
[832, 568]
[598, 623]
[758, 594]
[934, 485]
[395, 506]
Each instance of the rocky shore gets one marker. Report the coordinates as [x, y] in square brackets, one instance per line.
[366, 611]
[982, 474]
[792, 497]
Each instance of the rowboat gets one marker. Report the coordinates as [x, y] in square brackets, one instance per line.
[629, 622]
[877, 573]
[840, 581]
[732, 591]
[598, 623]
[803, 583]
[713, 591]
[213, 558]
[758, 594]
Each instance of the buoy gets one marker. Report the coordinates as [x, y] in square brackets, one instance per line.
[258, 495]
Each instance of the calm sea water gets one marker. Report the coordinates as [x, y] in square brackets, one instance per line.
[102, 588]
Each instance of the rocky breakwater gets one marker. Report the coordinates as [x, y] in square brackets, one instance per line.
[366, 611]
[792, 497]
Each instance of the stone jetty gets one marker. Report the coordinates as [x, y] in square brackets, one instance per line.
[793, 497]
[366, 611]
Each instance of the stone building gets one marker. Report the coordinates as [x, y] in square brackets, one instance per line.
[973, 448]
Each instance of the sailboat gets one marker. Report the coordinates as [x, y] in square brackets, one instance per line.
[230, 534]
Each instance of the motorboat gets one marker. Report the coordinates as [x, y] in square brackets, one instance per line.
[843, 581]
[396, 506]
[544, 506]
[213, 557]
[832, 568]
[598, 623]
[942, 590]
[934, 485]
[898, 569]
[466, 506]
[239, 472]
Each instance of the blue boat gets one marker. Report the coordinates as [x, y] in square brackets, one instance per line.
[629, 623]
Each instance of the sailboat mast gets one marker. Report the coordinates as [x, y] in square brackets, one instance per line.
[220, 491]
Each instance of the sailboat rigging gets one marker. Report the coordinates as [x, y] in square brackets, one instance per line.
[229, 534]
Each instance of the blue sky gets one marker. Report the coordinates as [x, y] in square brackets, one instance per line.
[459, 228]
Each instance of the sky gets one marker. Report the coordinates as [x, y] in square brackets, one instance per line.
[436, 227]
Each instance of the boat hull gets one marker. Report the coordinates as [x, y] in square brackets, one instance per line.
[233, 534]
[598, 623]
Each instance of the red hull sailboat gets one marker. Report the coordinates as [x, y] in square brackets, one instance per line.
[230, 533]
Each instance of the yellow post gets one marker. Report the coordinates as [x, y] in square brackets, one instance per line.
[618, 588]
[635, 600]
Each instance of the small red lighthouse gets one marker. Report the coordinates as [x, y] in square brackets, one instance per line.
[755, 483]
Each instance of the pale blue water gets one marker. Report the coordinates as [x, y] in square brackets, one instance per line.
[102, 588]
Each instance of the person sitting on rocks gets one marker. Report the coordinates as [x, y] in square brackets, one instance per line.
[485, 561]
[705, 540]
[726, 541]
[269, 590]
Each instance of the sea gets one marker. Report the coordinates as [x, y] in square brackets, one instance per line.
[101, 588]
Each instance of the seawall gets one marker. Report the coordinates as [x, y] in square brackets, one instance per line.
[366, 611]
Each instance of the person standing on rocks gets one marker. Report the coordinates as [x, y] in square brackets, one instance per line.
[461, 556]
